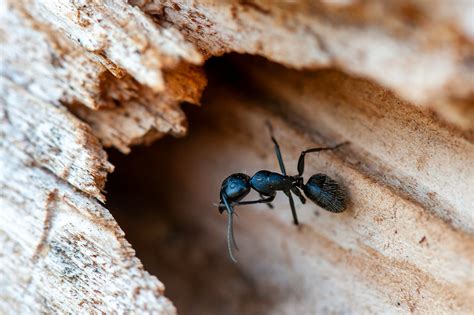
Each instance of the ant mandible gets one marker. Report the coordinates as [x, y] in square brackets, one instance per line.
[320, 189]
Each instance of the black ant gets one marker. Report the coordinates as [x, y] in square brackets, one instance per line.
[320, 189]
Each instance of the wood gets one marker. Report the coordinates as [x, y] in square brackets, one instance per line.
[404, 245]
[61, 250]
[77, 77]
[71, 78]
[388, 131]
[421, 50]
[119, 35]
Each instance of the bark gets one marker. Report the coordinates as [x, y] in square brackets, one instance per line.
[77, 77]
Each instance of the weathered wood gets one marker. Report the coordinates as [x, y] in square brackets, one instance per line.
[123, 112]
[405, 244]
[78, 76]
[420, 50]
[72, 254]
[147, 116]
[54, 138]
[119, 34]
[67, 75]
[62, 252]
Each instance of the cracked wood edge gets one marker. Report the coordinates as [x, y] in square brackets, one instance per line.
[72, 253]
[62, 251]
[149, 116]
[119, 34]
[69, 77]
[54, 138]
[421, 51]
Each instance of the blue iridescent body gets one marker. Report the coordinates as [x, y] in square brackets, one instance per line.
[236, 187]
[320, 188]
[267, 183]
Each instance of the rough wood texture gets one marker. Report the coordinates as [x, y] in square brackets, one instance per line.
[421, 50]
[66, 74]
[55, 139]
[147, 116]
[405, 244]
[119, 35]
[73, 254]
[62, 252]
[122, 112]
[78, 76]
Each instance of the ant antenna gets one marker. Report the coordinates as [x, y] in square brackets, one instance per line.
[269, 126]
[230, 237]
[230, 229]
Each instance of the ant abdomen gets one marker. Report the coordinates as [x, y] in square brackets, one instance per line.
[326, 193]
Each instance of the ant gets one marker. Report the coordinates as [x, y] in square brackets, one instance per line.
[320, 189]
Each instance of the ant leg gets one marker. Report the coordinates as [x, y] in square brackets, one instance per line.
[251, 202]
[267, 200]
[303, 153]
[292, 205]
[298, 193]
[269, 204]
[277, 149]
[230, 230]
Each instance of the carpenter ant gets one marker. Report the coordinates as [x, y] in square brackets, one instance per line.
[320, 189]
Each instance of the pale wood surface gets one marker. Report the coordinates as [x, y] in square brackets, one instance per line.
[422, 50]
[80, 76]
[405, 244]
[61, 250]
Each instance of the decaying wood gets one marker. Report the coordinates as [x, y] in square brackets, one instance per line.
[78, 76]
[62, 251]
[147, 116]
[31, 52]
[120, 35]
[421, 50]
[55, 139]
[73, 254]
[129, 113]
[393, 251]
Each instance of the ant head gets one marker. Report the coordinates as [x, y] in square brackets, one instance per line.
[235, 187]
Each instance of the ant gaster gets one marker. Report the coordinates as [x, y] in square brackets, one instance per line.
[320, 189]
